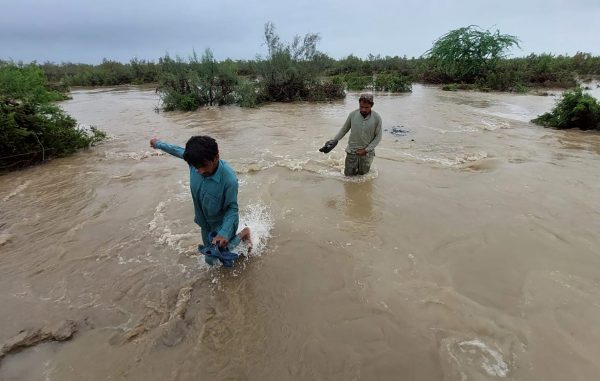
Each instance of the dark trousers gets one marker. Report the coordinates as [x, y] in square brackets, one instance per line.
[357, 165]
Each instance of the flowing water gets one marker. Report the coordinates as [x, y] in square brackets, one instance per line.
[470, 252]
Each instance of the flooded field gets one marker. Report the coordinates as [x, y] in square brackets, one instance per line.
[470, 252]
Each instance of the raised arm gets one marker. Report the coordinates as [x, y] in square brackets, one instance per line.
[168, 148]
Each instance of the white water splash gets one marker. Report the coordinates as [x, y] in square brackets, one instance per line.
[492, 125]
[446, 162]
[492, 361]
[258, 218]
[163, 233]
[133, 155]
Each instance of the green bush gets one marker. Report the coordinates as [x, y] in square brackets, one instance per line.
[291, 72]
[32, 132]
[189, 85]
[450, 87]
[26, 83]
[325, 91]
[246, 94]
[32, 129]
[575, 109]
[392, 83]
[355, 82]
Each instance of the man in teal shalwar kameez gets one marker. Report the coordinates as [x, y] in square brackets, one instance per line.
[214, 188]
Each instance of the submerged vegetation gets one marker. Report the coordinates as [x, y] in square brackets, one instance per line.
[290, 72]
[32, 129]
[467, 58]
[293, 71]
[574, 109]
[188, 85]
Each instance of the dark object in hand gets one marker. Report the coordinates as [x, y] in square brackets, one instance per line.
[223, 254]
[329, 146]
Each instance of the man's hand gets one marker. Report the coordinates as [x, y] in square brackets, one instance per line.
[153, 142]
[220, 241]
[361, 152]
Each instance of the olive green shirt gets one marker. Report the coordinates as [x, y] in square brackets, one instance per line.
[364, 132]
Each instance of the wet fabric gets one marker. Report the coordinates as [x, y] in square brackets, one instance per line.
[213, 253]
[365, 133]
[215, 197]
[357, 165]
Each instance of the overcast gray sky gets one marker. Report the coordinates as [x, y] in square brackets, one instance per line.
[87, 31]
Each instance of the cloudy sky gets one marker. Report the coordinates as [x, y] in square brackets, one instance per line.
[87, 31]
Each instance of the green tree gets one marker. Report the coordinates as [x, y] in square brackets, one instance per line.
[26, 83]
[292, 71]
[469, 54]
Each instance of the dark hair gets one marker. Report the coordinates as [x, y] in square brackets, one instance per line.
[200, 150]
[366, 97]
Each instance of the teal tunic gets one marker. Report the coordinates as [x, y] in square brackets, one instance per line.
[215, 198]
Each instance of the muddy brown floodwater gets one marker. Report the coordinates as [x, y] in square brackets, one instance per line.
[470, 252]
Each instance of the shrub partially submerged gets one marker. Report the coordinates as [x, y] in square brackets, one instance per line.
[31, 132]
[291, 72]
[392, 83]
[32, 129]
[575, 109]
[201, 81]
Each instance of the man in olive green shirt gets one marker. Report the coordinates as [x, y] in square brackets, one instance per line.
[364, 125]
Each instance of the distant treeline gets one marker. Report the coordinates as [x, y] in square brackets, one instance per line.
[33, 127]
[543, 70]
[464, 58]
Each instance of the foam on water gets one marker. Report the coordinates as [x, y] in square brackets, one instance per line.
[492, 361]
[17, 190]
[141, 155]
[331, 165]
[255, 216]
[492, 125]
[458, 160]
[161, 229]
[461, 130]
[184, 195]
[472, 359]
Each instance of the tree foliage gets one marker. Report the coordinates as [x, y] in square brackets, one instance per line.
[469, 53]
[198, 82]
[32, 129]
[465, 58]
[26, 83]
[292, 71]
